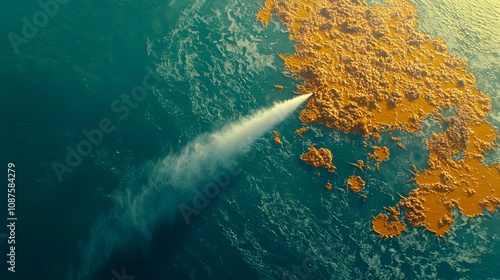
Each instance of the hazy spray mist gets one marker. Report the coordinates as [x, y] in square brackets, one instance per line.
[172, 181]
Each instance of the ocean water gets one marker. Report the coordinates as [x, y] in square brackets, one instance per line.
[112, 215]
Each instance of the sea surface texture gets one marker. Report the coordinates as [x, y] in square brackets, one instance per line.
[156, 197]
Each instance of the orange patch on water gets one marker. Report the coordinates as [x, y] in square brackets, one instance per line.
[356, 183]
[372, 70]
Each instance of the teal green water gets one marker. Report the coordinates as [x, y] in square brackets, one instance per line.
[217, 64]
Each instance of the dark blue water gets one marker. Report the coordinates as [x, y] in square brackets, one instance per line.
[216, 64]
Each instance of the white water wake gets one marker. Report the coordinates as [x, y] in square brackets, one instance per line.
[171, 182]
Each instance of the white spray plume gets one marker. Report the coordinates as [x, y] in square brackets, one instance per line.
[137, 209]
[202, 157]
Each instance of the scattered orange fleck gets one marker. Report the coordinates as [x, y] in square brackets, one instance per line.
[328, 186]
[319, 158]
[356, 183]
[401, 146]
[277, 139]
[380, 153]
[279, 87]
[360, 164]
[301, 131]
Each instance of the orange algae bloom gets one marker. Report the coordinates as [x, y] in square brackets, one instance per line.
[356, 183]
[471, 186]
[264, 16]
[380, 154]
[388, 225]
[301, 131]
[373, 71]
[277, 139]
[319, 158]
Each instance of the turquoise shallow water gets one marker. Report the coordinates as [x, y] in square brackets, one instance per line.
[217, 64]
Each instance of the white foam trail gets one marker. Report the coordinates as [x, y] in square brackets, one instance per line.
[138, 208]
[206, 154]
